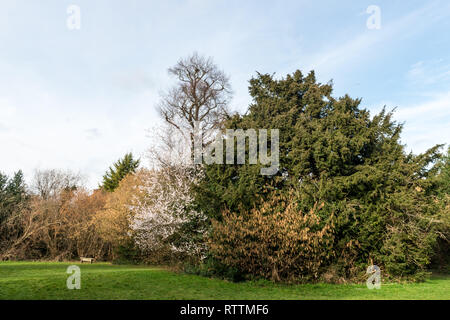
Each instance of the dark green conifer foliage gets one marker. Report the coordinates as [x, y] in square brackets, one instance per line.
[12, 194]
[444, 174]
[118, 171]
[13, 198]
[333, 151]
[442, 179]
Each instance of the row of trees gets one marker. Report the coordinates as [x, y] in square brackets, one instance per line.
[346, 193]
[53, 219]
[136, 215]
[379, 204]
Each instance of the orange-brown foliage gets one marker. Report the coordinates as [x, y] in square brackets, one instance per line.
[113, 221]
[274, 241]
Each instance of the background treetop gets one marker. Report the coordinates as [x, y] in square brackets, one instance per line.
[119, 170]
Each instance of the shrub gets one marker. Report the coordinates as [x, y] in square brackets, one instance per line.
[274, 240]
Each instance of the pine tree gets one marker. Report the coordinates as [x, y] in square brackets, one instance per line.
[118, 171]
[12, 194]
[13, 198]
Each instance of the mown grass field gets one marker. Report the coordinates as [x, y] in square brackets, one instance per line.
[40, 280]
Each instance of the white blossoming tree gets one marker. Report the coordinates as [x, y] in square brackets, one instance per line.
[163, 214]
[165, 210]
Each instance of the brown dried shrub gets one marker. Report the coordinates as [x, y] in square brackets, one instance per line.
[274, 241]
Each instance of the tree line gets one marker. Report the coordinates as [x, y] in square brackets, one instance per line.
[346, 193]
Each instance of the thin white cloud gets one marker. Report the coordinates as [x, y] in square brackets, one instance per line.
[426, 123]
[92, 133]
[366, 44]
[3, 127]
[51, 130]
[439, 106]
[429, 72]
[80, 100]
[134, 81]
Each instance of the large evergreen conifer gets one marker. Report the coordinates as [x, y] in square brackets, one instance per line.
[333, 151]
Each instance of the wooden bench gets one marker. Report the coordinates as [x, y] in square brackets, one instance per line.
[84, 259]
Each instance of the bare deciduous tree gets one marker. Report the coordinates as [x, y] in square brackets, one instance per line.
[200, 96]
[169, 147]
[49, 183]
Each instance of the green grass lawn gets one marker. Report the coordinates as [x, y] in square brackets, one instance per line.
[39, 280]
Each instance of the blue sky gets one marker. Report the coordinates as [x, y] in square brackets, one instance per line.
[80, 99]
